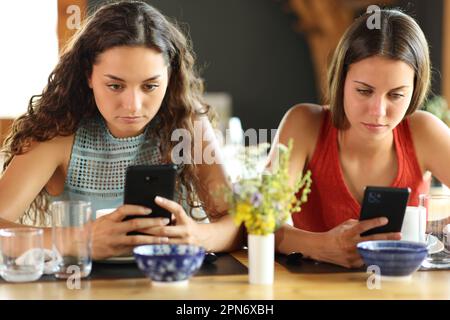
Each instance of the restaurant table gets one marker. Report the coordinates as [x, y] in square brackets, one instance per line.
[287, 285]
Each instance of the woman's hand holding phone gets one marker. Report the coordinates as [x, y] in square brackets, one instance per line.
[109, 232]
[183, 228]
[338, 245]
[379, 205]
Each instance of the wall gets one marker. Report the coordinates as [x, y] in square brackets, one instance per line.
[428, 14]
[250, 49]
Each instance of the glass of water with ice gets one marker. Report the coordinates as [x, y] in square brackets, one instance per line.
[438, 230]
[22, 254]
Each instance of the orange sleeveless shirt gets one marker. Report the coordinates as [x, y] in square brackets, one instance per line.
[330, 202]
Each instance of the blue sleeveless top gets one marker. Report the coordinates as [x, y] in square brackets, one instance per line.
[99, 161]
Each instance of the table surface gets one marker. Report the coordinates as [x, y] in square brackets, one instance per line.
[287, 285]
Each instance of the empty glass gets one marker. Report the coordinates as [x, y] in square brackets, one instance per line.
[22, 254]
[71, 236]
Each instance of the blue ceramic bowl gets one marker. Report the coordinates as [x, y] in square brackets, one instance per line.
[168, 263]
[394, 258]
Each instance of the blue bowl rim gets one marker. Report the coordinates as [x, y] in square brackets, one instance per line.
[201, 251]
[414, 247]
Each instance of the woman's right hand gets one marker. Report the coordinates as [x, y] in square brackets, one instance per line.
[109, 232]
[339, 244]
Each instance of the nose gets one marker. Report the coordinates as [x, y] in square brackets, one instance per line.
[378, 106]
[132, 101]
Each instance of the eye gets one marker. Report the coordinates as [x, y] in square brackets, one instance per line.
[150, 86]
[114, 86]
[396, 96]
[364, 92]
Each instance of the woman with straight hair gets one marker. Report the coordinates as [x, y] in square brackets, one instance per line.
[370, 133]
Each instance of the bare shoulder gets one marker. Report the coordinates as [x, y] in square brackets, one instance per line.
[425, 126]
[59, 144]
[308, 115]
[56, 150]
[307, 111]
[35, 167]
[302, 122]
[431, 137]
[301, 125]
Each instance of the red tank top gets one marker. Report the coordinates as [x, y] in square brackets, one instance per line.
[330, 202]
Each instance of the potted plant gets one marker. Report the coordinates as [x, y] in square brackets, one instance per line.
[263, 200]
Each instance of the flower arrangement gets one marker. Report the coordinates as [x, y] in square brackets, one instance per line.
[263, 199]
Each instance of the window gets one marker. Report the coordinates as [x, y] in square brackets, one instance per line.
[28, 35]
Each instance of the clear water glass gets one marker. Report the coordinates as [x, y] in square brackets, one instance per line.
[72, 238]
[438, 230]
[22, 254]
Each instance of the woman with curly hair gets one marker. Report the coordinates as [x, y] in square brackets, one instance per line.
[122, 86]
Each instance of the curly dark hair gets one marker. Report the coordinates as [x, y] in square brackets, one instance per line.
[67, 98]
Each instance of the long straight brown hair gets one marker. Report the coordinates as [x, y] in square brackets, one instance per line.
[399, 37]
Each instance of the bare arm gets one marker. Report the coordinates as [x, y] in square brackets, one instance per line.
[26, 176]
[221, 234]
[300, 124]
[289, 239]
[432, 140]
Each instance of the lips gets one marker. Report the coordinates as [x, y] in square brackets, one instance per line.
[131, 119]
[374, 127]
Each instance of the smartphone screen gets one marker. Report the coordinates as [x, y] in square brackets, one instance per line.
[144, 182]
[384, 202]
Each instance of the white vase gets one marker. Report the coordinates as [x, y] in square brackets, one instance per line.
[261, 258]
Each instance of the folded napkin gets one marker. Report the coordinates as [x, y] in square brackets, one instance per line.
[51, 259]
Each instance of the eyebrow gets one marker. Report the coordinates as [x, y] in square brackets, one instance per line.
[119, 79]
[372, 87]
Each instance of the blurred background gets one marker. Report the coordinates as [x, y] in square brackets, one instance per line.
[257, 57]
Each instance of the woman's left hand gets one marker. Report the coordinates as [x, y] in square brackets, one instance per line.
[185, 230]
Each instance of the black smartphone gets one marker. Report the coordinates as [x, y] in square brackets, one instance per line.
[384, 202]
[144, 182]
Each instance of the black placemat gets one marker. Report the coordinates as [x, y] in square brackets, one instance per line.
[302, 265]
[437, 255]
[296, 264]
[434, 269]
[225, 264]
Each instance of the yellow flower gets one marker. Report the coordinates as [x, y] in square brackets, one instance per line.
[276, 197]
[244, 209]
